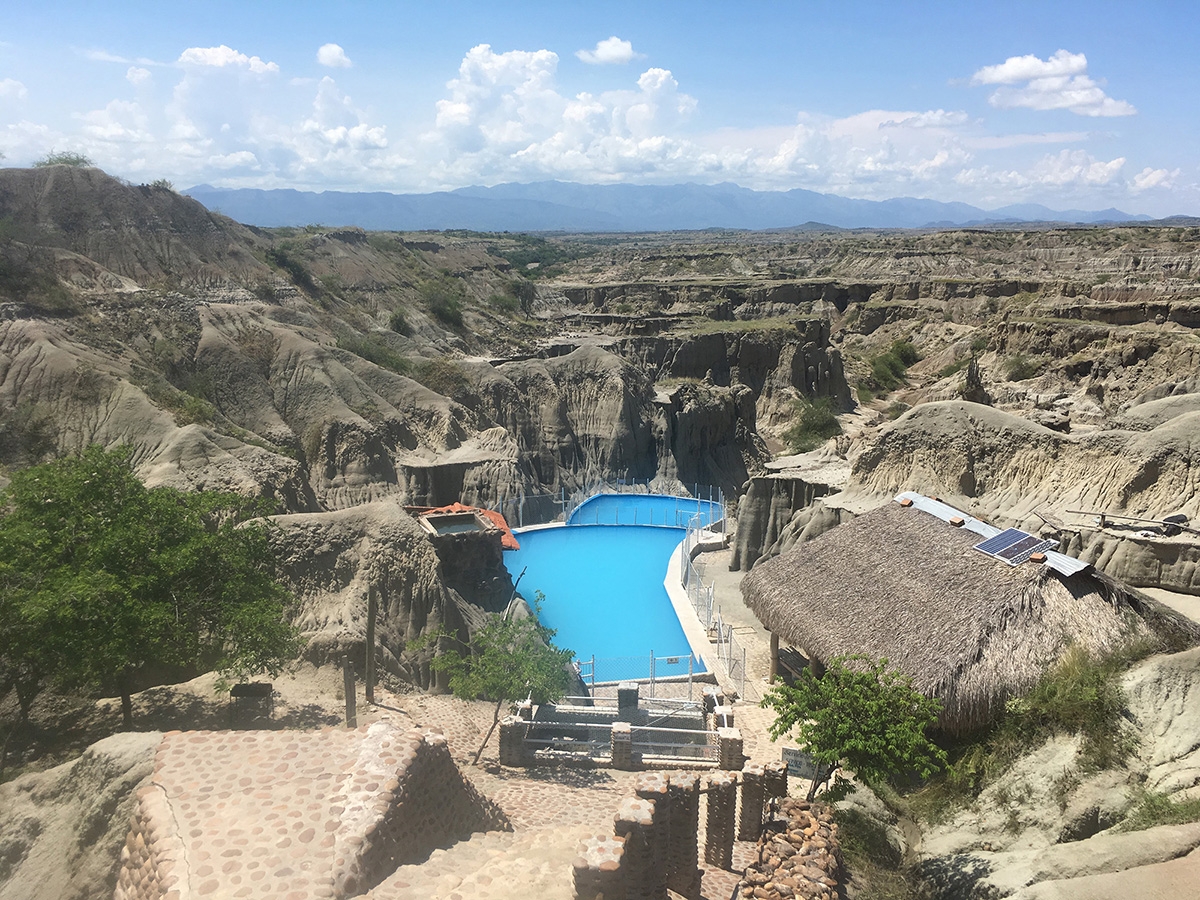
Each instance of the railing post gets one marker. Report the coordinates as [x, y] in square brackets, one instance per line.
[742, 688]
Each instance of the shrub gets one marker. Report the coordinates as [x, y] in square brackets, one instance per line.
[162, 184]
[283, 257]
[889, 368]
[399, 324]
[445, 301]
[505, 303]
[1020, 367]
[859, 714]
[953, 368]
[1154, 809]
[815, 423]
[64, 158]
[1081, 696]
[442, 376]
[374, 349]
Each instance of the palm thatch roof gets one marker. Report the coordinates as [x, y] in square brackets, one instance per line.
[901, 584]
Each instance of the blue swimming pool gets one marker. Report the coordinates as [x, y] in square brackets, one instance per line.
[645, 509]
[605, 596]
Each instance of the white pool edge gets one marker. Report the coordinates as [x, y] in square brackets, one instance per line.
[693, 630]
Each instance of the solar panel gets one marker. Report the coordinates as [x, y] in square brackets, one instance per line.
[1006, 538]
[1014, 546]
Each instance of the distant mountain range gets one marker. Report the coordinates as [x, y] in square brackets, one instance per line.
[562, 206]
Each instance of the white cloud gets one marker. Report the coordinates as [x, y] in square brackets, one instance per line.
[505, 116]
[935, 118]
[1016, 69]
[1067, 169]
[105, 56]
[119, 122]
[1153, 178]
[222, 57]
[11, 89]
[241, 159]
[333, 57]
[1060, 82]
[610, 51]
[1075, 167]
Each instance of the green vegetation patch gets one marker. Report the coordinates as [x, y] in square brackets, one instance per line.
[106, 584]
[705, 325]
[536, 257]
[1082, 696]
[445, 298]
[64, 158]
[888, 371]
[871, 859]
[443, 376]
[1155, 809]
[815, 422]
[374, 348]
[1020, 367]
[286, 257]
[399, 324]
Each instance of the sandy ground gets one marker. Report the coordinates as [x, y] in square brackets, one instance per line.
[1185, 604]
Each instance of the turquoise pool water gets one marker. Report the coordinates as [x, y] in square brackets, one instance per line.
[605, 595]
[644, 509]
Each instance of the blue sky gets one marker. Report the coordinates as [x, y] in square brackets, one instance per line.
[1074, 105]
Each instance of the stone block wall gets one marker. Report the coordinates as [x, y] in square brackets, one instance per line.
[276, 814]
[653, 847]
[800, 856]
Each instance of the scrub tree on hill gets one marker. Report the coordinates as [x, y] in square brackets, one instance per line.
[506, 660]
[861, 715]
[106, 584]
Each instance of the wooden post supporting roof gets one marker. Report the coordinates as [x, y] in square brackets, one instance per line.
[774, 657]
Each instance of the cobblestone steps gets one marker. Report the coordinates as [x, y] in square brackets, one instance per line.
[492, 866]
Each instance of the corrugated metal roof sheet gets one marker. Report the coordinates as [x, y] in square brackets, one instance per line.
[1059, 562]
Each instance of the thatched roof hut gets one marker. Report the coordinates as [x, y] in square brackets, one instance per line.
[971, 630]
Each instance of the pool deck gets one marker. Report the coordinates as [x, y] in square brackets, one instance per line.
[693, 628]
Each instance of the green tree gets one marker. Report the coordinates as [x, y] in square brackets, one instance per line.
[859, 714]
[64, 158]
[506, 660]
[107, 584]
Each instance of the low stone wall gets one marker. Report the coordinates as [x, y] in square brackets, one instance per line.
[655, 842]
[296, 814]
[800, 858]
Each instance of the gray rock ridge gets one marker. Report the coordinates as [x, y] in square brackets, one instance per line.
[765, 510]
[1011, 472]
[1045, 823]
[1011, 874]
[333, 561]
[61, 831]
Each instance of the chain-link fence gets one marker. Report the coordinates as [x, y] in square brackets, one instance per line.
[730, 654]
[521, 510]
